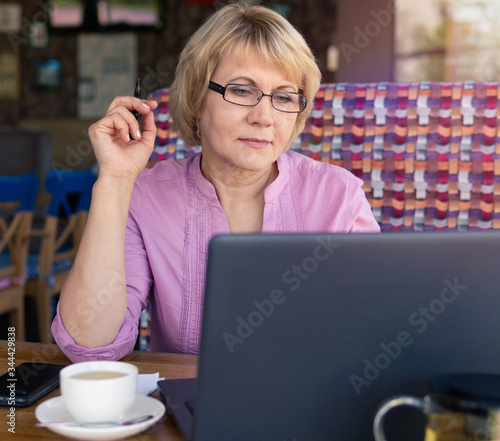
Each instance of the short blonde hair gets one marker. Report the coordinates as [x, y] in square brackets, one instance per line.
[237, 28]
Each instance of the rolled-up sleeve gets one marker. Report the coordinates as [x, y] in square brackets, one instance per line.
[121, 346]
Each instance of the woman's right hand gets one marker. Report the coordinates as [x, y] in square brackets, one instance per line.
[121, 150]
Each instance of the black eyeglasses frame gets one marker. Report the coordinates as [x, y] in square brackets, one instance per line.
[222, 90]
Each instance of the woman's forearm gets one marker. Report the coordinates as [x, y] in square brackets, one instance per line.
[93, 300]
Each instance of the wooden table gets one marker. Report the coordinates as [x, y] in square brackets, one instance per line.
[168, 365]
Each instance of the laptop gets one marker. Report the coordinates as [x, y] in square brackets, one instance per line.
[304, 336]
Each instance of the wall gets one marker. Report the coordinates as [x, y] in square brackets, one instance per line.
[157, 52]
[365, 37]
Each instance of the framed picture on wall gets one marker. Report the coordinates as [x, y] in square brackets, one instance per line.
[10, 17]
[107, 67]
[48, 74]
[38, 35]
[9, 76]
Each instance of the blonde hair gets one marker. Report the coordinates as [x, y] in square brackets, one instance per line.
[237, 28]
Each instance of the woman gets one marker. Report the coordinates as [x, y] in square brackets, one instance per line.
[244, 87]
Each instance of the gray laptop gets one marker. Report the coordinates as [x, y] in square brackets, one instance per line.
[305, 335]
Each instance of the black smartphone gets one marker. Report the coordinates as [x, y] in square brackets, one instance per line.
[23, 385]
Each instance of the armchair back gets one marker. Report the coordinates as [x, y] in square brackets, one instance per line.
[428, 152]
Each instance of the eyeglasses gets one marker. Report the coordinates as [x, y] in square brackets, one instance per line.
[249, 96]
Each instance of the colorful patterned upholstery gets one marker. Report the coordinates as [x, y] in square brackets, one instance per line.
[429, 153]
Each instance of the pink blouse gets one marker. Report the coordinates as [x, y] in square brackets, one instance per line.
[174, 212]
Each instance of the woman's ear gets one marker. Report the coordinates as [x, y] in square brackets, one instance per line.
[198, 128]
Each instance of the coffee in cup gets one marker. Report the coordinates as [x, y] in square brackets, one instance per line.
[97, 391]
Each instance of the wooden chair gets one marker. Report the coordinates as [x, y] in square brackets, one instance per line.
[70, 194]
[17, 201]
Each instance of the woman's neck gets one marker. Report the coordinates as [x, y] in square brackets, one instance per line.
[241, 195]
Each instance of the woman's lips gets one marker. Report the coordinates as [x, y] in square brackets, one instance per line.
[255, 142]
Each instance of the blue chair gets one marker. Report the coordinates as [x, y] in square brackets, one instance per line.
[17, 201]
[70, 193]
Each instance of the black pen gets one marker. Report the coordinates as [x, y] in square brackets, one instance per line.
[137, 94]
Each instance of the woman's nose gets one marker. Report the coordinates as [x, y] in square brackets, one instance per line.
[263, 112]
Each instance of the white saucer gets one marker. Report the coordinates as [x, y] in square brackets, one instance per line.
[55, 410]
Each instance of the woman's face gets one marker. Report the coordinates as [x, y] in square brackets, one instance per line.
[237, 139]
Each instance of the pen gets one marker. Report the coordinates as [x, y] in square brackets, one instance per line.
[137, 94]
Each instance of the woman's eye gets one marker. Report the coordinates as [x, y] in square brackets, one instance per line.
[241, 91]
[283, 98]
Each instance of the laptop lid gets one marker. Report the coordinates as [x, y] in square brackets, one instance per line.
[305, 335]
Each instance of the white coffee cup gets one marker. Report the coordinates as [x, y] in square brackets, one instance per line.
[96, 391]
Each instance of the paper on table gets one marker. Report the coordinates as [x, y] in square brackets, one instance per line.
[146, 383]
